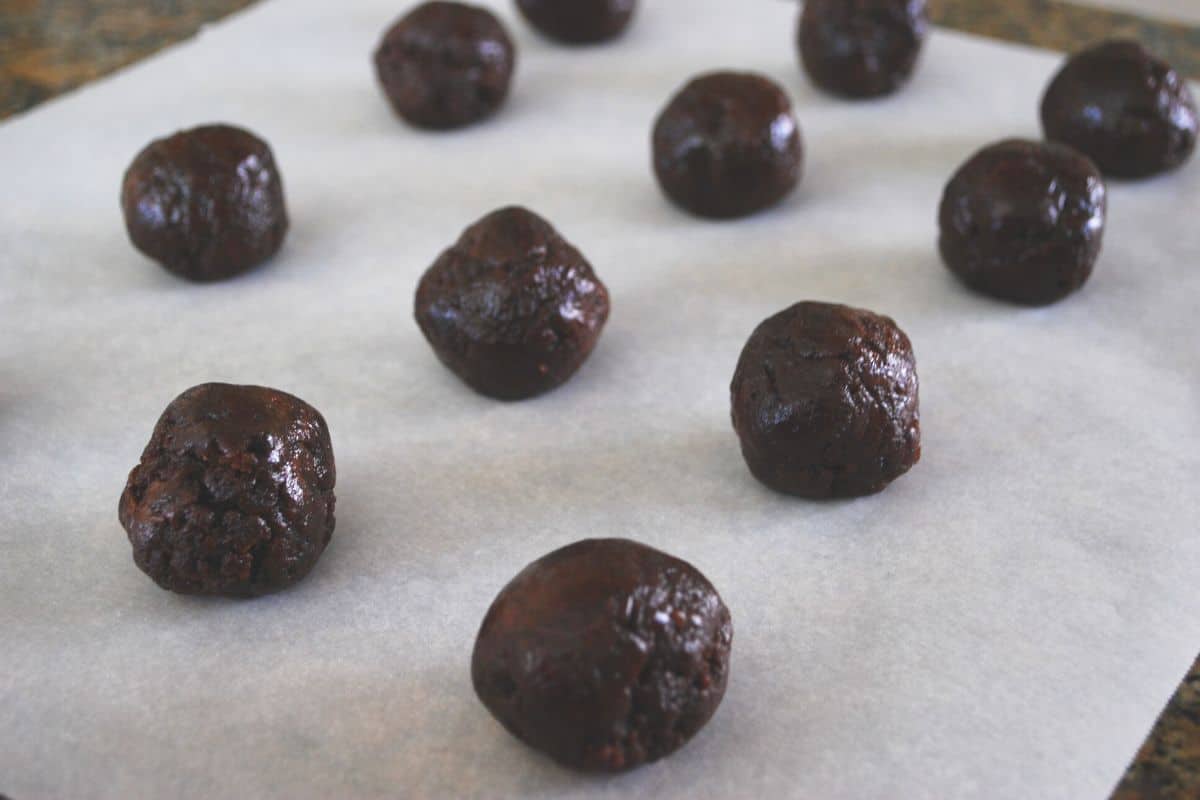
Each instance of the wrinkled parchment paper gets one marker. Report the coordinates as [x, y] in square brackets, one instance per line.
[1005, 621]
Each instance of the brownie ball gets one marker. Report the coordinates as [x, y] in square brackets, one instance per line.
[207, 203]
[861, 48]
[234, 493]
[605, 655]
[1122, 107]
[728, 145]
[825, 402]
[512, 307]
[579, 21]
[1023, 221]
[446, 65]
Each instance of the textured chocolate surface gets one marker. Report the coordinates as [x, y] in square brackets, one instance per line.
[206, 203]
[825, 402]
[234, 493]
[512, 308]
[579, 21]
[446, 65]
[728, 145]
[604, 655]
[1024, 221]
[1127, 110]
[861, 48]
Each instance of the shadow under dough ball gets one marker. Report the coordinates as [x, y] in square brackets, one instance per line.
[1123, 108]
[1023, 221]
[234, 493]
[825, 402]
[605, 654]
[579, 21]
[861, 48]
[446, 65]
[206, 203]
[512, 307]
[728, 145]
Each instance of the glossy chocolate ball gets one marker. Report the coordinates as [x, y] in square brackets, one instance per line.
[512, 308]
[579, 21]
[206, 203]
[234, 493]
[1128, 111]
[446, 65]
[825, 402]
[1024, 221]
[728, 145]
[861, 48]
[604, 655]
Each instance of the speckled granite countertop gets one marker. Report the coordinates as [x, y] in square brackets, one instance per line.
[48, 47]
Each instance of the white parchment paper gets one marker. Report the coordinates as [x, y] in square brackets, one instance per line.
[1004, 622]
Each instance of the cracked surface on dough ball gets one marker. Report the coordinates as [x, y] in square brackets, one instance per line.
[512, 308]
[861, 48]
[1024, 221]
[728, 145]
[206, 203]
[1124, 108]
[825, 402]
[605, 654]
[446, 65]
[234, 492]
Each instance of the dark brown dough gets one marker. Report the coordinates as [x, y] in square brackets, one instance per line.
[861, 48]
[512, 308]
[445, 65]
[579, 21]
[604, 655]
[207, 203]
[1123, 108]
[825, 402]
[728, 145]
[234, 492]
[1023, 221]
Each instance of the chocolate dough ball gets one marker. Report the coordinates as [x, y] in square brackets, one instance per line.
[825, 402]
[861, 48]
[234, 492]
[207, 203]
[728, 145]
[579, 21]
[604, 655]
[446, 65]
[1023, 221]
[512, 308]
[1122, 107]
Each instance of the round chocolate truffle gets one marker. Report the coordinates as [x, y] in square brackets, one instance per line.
[234, 492]
[446, 65]
[604, 655]
[1023, 221]
[861, 48]
[512, 307]
[1123, 108]
[207, 203]
[579, 21]
[825, 402]
[728, 145]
